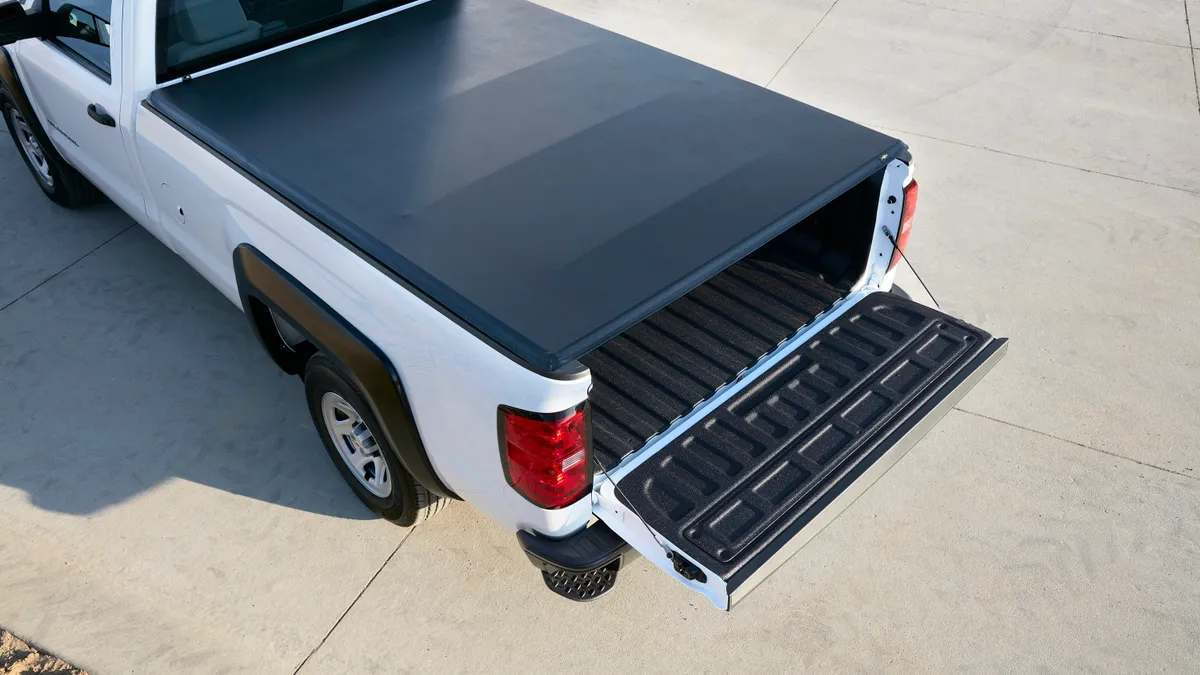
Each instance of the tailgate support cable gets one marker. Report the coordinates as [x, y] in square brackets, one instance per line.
[633, 509]
[896, 249]
[684, 567]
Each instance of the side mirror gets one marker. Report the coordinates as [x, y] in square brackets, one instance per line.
[15, 24]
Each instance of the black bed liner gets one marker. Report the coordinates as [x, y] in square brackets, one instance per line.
[545, 182]
[659, 370]
[740, 484]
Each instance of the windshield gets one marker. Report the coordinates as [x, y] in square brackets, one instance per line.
[198, 34]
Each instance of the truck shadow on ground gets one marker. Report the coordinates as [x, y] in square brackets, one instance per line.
[129, 370]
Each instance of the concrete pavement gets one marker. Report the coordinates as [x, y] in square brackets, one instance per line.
[991, 549]
[167, 506]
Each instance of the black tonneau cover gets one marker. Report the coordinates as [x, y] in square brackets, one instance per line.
[547, 182]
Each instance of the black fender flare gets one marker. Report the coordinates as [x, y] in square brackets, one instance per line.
[265, 287]
[12, 89]
[10, 86]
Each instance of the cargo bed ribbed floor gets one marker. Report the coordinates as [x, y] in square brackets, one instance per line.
[659, 370]
[740, 483]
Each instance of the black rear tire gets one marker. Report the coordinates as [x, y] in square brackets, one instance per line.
[66, 186]
[409, 502]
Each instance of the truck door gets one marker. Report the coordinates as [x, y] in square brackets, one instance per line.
[74, 80]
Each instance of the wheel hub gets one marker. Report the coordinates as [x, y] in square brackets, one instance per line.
[356, 444]
[32, 149]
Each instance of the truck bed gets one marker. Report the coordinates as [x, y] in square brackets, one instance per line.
[659, 369]
[545, 183]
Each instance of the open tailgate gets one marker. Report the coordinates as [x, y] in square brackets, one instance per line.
[738, 487]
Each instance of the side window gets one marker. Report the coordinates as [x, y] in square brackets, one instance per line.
[82, 27]
[198, 34]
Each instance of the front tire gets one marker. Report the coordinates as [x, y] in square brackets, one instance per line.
[352, 438]
[62, 184]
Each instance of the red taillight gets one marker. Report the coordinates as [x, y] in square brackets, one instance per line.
[547, 456]
[906, 220]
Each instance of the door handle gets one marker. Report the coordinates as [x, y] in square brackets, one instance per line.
[101, 115]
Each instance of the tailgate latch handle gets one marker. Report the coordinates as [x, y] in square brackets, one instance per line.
[685, 568]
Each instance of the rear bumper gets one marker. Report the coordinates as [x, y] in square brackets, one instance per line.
[588, 549]
[582, 566]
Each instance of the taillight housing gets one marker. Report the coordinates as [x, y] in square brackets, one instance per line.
[906, 220]
[547, 458]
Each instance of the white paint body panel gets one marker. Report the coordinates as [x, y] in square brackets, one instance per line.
[454, 381]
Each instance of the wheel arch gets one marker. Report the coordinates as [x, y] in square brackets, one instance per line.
[264, 287]
[12, 89]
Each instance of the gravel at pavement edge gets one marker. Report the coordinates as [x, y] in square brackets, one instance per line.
[18, 658]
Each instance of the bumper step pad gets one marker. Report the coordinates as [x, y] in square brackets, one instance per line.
[581, 567]
[733, 490]
[583, 586]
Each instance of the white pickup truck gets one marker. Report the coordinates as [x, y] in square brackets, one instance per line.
[618, 301]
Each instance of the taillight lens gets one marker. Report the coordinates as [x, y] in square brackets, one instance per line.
[547, 456]
[906, 220]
